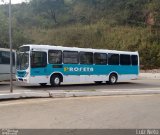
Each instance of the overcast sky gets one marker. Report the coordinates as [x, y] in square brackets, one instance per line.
[13, 1]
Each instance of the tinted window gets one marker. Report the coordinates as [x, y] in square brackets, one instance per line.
[125, 59]
[38, 59]
[134, 60]
[113, 59]
[70, 57]
[24, 49]
[55, 57]
[100, 58]
[13, 56]
[86, 58]
[0, 58]
[5, 57]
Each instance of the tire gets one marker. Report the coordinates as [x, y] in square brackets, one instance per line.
[113, 79]
[55, 80]
[98, 82]
[43, 84]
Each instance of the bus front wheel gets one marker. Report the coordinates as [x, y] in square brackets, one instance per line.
[55, 80]
[113, 79]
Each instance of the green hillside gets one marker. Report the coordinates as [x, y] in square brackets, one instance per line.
[132, 25]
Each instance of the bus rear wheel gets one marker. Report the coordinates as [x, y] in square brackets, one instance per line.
[113, 79]
[55, 80]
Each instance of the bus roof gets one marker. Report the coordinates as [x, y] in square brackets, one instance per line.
[49, 47]
[6, 49]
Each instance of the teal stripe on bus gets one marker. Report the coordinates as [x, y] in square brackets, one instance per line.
[71, 69]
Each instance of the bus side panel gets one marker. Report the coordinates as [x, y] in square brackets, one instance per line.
[124, 70]
[5, 72]
[84, 73]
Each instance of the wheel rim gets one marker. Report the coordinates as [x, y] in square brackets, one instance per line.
[113, 79]
[57, 81]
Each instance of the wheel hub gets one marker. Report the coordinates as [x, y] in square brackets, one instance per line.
[57, 81]
[113, 79]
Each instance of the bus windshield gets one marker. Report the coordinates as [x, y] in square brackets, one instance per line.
[23, 61]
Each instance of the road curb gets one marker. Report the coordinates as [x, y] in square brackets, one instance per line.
[90, 94]
[20, 95]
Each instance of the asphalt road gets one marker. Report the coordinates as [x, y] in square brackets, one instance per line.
[140, 112]
[131, 85]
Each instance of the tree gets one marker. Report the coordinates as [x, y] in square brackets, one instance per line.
[3, 30]
[51, 7]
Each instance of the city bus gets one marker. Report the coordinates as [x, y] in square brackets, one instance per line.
[5, 64]
[55, 65]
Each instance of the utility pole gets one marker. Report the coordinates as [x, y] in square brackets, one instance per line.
[10, 44]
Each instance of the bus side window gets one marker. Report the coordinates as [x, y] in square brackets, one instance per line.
[86, 58]
[5, 57]
[70, 57]
[100, 58]
[113, 59]
[13, 60]
[38, 59]
[55, 56]
[134, 60]
[0, 57]
[125, 59]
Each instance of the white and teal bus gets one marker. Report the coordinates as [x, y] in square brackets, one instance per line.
[53, 65]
